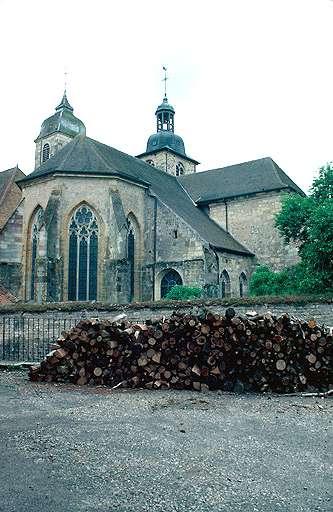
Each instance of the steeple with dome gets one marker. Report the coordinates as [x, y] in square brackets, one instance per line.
[56, 131]
[165, 136]
[165, 149]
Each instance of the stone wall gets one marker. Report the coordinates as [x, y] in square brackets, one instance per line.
[250, 219]
[11, 241]
[167, 162]
[56, 141]
[11, 246]
[320, 310]
[28, 335]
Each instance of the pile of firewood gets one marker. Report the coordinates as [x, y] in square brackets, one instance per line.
[201, 352]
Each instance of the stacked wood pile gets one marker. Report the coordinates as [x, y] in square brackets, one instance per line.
[201, 352]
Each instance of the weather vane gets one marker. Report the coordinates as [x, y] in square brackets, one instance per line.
[164, 80]
[65, 80]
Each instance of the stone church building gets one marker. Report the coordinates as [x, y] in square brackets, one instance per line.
[93, 223]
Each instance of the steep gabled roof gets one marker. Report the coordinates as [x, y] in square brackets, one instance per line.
[10, 193]
[261, 175]
[87, 156]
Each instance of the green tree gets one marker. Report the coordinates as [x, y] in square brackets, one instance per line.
[308, 222]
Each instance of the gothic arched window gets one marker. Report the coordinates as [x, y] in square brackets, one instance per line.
[83, 255]
[169, 280]
[242, 285]
[131, 254]
[46, 152]
[179, 169]
[225, 284]
[35, 235]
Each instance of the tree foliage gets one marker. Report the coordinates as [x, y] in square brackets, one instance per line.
[184, 292]
[266, 282]
[306, 222]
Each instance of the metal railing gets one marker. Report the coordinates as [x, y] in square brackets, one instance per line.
[30, 339]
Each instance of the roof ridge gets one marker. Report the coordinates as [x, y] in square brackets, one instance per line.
[275, 168]
[71, 149]
[234, 165]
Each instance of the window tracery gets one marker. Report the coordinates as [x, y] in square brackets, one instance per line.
[169, 280]
[83, 255]
[35, 235]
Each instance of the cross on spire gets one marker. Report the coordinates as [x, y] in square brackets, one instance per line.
[164, 80]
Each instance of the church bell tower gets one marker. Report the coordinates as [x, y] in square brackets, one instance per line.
[56, 131]
[166, 150]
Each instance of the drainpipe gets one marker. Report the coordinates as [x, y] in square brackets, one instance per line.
[155, 244]
[226, 216]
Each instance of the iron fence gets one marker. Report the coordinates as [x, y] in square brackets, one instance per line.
[30, 339]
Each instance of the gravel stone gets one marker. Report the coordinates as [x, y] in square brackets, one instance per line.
[87, 449]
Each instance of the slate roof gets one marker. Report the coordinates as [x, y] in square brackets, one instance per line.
[166, 139]
[10, 193]
[62, 121]
[261, 175]
[84, 155]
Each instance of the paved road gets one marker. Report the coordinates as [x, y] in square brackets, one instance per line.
[73, 449]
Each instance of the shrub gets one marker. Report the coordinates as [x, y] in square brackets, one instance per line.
[184, 292]
[288, 282]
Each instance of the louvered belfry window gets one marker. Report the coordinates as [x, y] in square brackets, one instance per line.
[83, 255]
[46, 152]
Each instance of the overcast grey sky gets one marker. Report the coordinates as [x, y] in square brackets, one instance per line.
[247, 78]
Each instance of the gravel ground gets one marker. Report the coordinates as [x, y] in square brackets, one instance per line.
[65, 448]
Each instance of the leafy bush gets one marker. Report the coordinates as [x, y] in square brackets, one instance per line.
[295, 280]
[184, 292]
